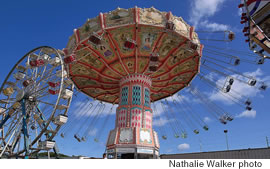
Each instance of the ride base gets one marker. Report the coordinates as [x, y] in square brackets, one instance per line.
[133, 136]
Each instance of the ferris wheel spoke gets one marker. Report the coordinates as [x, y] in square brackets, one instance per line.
[17, 125]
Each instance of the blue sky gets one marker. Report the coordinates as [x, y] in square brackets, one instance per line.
[29, 24]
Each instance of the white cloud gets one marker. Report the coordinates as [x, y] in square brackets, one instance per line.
[202, 9]
[207, 119]
[247, 114]
[160, 122]
[214, 26]
[183, 147]
[169, 150]
[92, 132]
[240, 11]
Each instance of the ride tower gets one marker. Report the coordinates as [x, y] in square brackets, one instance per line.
[133, 136]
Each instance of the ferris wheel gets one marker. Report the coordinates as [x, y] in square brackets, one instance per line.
[34, 101]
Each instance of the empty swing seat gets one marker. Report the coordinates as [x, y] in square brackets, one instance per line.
[164, 137]
[196, 131]
[95, 39]
[206, 128]
[170, 25]
[252, 82]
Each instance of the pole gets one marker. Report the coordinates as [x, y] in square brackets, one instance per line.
[200, 146]
[226, 131]
[25, 132]
[267, 142]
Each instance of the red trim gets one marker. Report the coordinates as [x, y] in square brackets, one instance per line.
[165, 60]
[190, 57]
[97, 71]
[106, 94]
[118, 53]
[157, 92]
[102, 59]
[136, 39]
[188, 71]
[201, 49]
[90, 86]
[77, 36]
[138, 15]
[191, 32]
[169, 15]
[101, 20]
[154, 48]
[87, 77]
[175, 83]
[250, 2]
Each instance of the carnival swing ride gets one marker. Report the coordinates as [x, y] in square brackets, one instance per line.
[133, 58]
[256, 18]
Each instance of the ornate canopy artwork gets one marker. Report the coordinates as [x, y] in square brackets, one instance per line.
[133, 41]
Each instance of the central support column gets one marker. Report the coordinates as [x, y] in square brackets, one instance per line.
[133, 136]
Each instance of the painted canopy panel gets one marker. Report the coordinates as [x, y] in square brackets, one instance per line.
[122, 42]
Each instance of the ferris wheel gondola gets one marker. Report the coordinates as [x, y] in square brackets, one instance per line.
[34, 100]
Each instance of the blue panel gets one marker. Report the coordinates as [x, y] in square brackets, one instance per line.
[124, 97]
[146, 97]
[136, 95]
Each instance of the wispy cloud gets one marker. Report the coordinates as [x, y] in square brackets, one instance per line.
[207, 119]
[247, 114]
[183, 147]
[161, 122]
[214, 26]
[201, 10]
[92, 132]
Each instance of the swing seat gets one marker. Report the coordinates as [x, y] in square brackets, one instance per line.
[83, 139]
[129, 44]
[263, 87]
[222, 119]
[77, 138]
[170, 25]
[196, 131]
[206, 128]
[237, 62]
[248, 108]
[184, 135]
[252, 82]
[95, 39]
[248, 102]
[231, 80]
